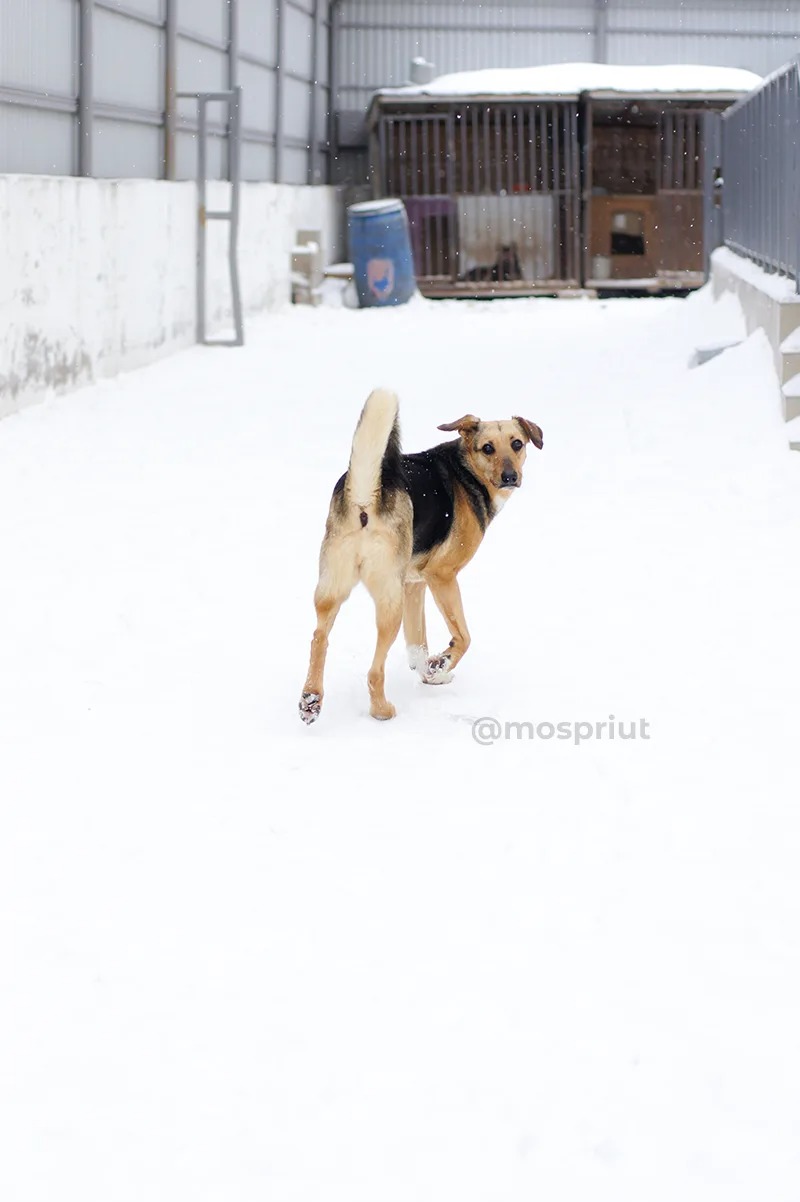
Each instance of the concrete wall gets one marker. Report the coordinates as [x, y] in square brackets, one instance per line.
[99, 276]
[770, 303]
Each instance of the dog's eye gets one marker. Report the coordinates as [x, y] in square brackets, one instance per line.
[516, 445]
[487, 448]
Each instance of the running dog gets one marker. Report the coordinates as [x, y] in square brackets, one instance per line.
[404, 523]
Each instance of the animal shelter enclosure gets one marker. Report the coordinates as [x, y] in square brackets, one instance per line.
[646, 167]
[517, 194]
[492, 191]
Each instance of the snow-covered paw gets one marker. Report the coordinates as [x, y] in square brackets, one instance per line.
[417, 657]
[309, 707]
[437, 670]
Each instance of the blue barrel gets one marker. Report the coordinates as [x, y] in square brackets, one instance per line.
[380, 251]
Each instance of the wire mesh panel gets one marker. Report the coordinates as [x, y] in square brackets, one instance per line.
[491, 190]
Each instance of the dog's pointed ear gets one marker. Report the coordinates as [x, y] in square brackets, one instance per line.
[532, 432]
[467, 424]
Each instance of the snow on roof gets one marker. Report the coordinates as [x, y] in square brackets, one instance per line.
[571, 79]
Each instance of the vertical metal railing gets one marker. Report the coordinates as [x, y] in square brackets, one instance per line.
[233, 98]
[761, 174]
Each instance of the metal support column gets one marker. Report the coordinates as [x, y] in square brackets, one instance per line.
[233, 98]
[279, 139]
[170, 80]
[334, 18]
[86, 87]
[313, 121]
[233, 75]
[601, 31]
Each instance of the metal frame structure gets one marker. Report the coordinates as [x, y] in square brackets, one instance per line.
[761, 172]
[233, 99]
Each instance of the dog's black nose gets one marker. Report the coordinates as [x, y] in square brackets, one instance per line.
[509, 476]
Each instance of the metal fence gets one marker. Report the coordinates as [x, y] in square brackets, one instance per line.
[761, 170]
[89, 87]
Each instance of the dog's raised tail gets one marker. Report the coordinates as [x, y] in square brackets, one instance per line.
[377, 437]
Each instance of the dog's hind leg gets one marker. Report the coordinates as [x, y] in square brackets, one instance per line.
[387, 593]
[447, 595]
[414, 624]
[336, 581]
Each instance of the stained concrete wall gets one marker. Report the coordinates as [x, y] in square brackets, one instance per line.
[98, 276]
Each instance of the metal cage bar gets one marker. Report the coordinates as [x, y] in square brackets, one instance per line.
[492, 191]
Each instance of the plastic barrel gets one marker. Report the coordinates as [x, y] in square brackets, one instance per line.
[380, 251]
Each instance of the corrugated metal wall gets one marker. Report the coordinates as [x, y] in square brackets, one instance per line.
[378, 38]
[375, 41]
[759, 35]
[276, 49]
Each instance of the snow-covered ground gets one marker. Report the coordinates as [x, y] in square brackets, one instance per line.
[243, 959]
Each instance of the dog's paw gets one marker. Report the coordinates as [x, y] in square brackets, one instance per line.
[437, 670]
[309, 706]
[417, 657]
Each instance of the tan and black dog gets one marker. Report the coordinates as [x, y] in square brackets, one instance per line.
[404, 523]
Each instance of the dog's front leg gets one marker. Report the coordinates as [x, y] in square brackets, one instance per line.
[447, 595]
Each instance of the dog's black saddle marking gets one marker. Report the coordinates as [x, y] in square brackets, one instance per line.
[430, 478]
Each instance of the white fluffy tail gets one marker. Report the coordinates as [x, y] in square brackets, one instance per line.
[370, 440]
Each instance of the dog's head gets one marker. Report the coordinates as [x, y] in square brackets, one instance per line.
[495, 451]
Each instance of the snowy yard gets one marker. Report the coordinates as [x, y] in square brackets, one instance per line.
[244, 960]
